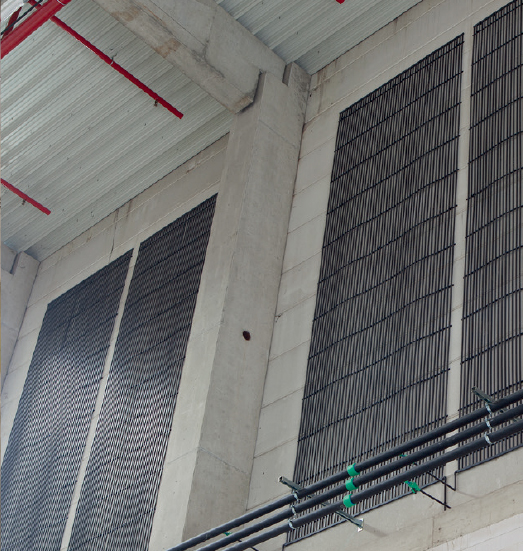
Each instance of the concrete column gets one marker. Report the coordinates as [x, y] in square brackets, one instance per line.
[209, 459]
[18, 275]
[458, 274]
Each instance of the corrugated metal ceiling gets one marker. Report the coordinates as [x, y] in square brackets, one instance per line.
[82, 140]
[314, 32]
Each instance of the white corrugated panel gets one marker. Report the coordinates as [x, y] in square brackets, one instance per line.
[80, 138]
[314, 32]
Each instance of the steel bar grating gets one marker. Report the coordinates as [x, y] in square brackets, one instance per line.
[118, 497]
[377, 366]
[492, 358]
[49, 433]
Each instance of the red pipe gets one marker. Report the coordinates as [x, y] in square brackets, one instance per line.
[33, 22]
[10, 24]
[25, 197]
[114, 65]
[340, 1]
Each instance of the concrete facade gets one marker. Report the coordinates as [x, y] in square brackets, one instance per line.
[222, 381]
[124, 230]
[388, 52]
[18, 275]
[237, 419]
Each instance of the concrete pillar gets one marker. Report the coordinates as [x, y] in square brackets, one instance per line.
[458, 274]
[18, 275]
[210, 454]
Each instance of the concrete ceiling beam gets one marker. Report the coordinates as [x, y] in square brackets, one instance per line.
[202, 40]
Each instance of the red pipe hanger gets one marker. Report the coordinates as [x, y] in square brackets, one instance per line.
[117, 67]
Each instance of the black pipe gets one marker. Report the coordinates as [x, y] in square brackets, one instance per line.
[378, 488]
[357, 481]
[369, 477]
[248, 517]
[438, 446]
[353, 470]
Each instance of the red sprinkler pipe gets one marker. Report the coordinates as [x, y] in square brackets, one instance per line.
[25, 197]
[11, 23]
[33, 22]
[340, 1]
[114, 65]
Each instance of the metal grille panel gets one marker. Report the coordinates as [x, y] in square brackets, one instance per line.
[377, 365]
[492, 357]
[50, 428]
[119, 493]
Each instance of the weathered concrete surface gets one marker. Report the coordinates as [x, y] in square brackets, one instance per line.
[210, 454]
[18, 275]
[489, 499]
[204, 42]
[123, 230]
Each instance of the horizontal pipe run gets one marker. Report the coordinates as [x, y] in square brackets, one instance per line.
[342, 475]
[353, 499]
[31, 24]
[354, 470]
[25, 197]
[363, 479]
[239, 521]
[436, 447]
[117, 67]
[417, 471]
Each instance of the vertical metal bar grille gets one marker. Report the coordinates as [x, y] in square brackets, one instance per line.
[49, 433]
[118, 496]
[377, 366]
[492, 306]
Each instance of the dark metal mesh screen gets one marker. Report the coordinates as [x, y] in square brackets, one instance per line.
[492, 348]
[377, 365]
[49, 433]
[119, 493]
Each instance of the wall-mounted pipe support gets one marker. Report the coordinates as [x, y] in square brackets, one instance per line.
[352, 470]
[386, 469]
[354, 483]
[26, 197]
[353, 499]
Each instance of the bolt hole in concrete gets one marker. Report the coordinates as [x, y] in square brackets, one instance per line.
[246, 335]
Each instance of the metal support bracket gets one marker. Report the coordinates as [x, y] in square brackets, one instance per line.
[295, 487]
[415, 488]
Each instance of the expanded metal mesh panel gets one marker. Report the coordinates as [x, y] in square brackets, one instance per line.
[492, 348]
[49, 433]
[377, 366]
[120, 489]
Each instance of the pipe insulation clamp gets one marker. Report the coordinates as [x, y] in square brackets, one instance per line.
[350, 485]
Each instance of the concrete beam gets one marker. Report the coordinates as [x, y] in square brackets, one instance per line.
[202, 40]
